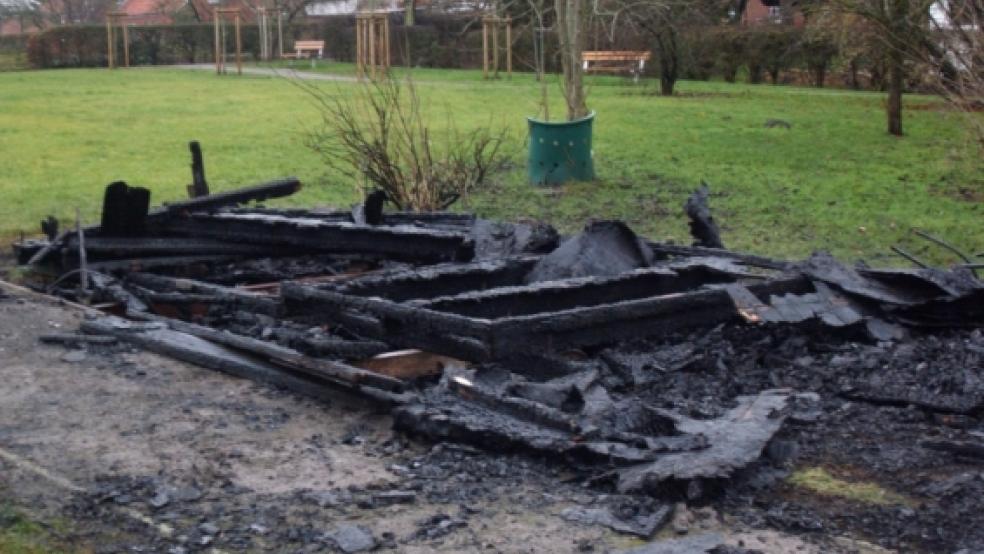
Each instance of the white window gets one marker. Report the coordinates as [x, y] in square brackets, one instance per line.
[775, 14]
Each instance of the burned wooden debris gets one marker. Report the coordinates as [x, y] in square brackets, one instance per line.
[504, 335]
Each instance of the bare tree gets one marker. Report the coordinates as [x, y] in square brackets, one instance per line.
[572, 17]
[74, 12]
[902, 26]
[664, 21]
[956, 53]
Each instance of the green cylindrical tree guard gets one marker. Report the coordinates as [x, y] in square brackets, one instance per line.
[560, 151]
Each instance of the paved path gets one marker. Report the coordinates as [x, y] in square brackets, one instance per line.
[271, 72]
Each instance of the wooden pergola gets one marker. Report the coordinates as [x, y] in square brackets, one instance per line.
[221, 14]
[372, 44]
[491, 27]
[116, 20]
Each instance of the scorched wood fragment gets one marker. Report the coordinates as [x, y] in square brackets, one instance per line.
[100, 247]
[402, 243]
[735, 440]
[161, 290]
[286, 368]
[263, 191]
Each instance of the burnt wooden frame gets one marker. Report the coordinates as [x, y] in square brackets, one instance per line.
[542, 318]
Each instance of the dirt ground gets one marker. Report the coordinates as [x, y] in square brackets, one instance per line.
[130, 451]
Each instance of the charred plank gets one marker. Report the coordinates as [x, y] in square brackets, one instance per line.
[402, 243]
[263, 191]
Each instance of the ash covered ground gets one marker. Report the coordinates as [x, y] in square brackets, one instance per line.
[225, 463]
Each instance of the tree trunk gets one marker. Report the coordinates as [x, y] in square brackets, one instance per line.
[855, 83]
[819, 75]
[754, 73]
[896, 81]
[666, 85]
[571, 34]
[669, 63]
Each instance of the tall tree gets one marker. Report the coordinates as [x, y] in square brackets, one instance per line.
[664, 22]
[902, 26]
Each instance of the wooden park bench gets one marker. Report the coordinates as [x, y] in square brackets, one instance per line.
[614, 61]
[306, 49]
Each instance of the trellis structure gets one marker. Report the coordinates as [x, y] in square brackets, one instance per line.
[491, 28]
[116, 20]
[372, 44]
[221, 15]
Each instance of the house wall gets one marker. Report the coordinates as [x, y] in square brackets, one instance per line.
[757, 12]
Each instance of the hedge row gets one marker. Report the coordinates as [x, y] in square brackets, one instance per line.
[781, 54]
[433, 42]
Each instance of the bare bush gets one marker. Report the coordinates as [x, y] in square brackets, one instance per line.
[957, 40]
[378, 135]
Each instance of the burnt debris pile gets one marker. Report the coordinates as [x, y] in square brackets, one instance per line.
[653, 368]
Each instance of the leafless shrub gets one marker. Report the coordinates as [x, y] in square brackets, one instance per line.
[379, 135]
[957, 51]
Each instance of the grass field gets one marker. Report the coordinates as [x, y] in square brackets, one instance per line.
[835, 180]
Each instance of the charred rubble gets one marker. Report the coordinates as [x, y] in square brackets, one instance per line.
[651, 368]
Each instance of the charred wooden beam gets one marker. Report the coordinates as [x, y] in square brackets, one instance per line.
[156, 263]
[181, 291]
[663, 249]
[263, 191]
[157, 337]
[403, 326]
[404, 242]
[425, 219]
[100, 247]
[439, 280]
[76, 338]
[553, 296]
[960, 448]
[412, 325]
[282, 355]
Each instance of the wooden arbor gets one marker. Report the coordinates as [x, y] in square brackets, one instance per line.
[221, 16]
[372, 44]
[492, 25]
[116, 20]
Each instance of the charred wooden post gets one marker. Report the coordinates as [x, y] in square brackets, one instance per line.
[263, 191]
[125, 209]
[198, 186]
[702, 225]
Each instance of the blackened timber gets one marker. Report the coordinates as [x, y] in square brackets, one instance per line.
[553, 296]
[405, 326]
[438, 280]
[124, 211]
[402, 242]
[661, 249]
[179, 290]
[282, 355]
[960, 448]
[156, 337]
[263, 191]
[76, 338]
[482, 339]
[156, 263]
[100, 247]
[702, 225]
[198, 186]
[426, 219]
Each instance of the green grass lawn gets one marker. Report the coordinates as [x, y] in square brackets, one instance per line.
[835, 180]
